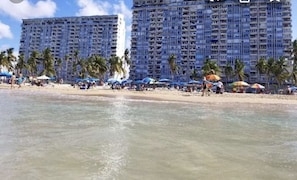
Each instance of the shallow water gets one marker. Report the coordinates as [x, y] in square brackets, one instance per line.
[51, 136]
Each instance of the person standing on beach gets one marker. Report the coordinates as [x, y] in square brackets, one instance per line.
[219, 88]
[12, 81]
[204, 87]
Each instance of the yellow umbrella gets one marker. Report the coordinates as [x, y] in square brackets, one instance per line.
[212, 77]
[239, 83]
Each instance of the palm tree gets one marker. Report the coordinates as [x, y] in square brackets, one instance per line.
[11, 58]
[280, 71]
[210, 67]
[97, 66]
[66, 59]
[261, 66]
[115, 65]
[48, 63]
[239, 69]
[269, 69]
[195, 75]
[32, 63]
[172, 65]
[228, 71]
[58, 65]
[7, 59]
[126, 57]
[21, 64]
[83, 68]
[3, 60]
[75, 62]
[294, 70]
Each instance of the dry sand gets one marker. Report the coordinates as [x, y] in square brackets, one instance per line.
[163, 94]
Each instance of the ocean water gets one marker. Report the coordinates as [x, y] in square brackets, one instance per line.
[52, 136]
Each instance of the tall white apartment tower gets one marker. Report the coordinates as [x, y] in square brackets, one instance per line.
[87, 35]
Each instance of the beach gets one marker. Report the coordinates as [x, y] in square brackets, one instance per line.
[162, 94]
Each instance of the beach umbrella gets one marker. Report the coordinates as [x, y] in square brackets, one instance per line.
[111, 80]
[148, 80]
[183, 83]
[212, 77]
[78, 80]
[6, 74]
[126, 81]
[43, 77]
[194, 82]
[92, 79]
[257, 86]
[164, 80]
[293, 88]
[239, 83]
[138, 82]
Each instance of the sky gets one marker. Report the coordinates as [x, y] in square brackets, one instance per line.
[11, 15]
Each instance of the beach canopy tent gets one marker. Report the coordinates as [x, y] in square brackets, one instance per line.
[5, 74]
[43, 77]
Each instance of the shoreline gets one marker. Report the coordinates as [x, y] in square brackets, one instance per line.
[163, 95]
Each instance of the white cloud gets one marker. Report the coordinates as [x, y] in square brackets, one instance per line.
[5, 31]
[121, 8]
[91, 7]
[98, 7]
[25, 9]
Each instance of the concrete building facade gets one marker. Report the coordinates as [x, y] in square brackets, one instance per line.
[196, 30]
[87, 35]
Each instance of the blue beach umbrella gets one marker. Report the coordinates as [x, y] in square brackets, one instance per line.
[182, 83]
[78, 80]
[6, 74]
[194, 82]
[91, 79]
[138, 82]
[126, 81]
[148, 80]
[111, 80]
[164, 80]
[293, 88]
[174, 83]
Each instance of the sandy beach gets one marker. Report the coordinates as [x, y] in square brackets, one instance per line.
[162, 94]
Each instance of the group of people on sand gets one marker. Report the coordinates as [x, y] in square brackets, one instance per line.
[206, 87]
[14, 80]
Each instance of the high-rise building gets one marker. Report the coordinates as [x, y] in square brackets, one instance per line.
[196, 30]
[87, 35]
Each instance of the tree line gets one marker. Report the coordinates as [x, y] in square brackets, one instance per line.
[44, 63]
[272, 70]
